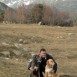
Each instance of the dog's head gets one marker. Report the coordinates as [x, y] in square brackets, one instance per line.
[36, 62]
[50, 62]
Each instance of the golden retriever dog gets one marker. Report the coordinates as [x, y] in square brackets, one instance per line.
[49, 72]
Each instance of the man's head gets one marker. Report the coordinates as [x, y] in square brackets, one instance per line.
[43, 53]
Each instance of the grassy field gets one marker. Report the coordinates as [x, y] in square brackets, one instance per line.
[61, 42]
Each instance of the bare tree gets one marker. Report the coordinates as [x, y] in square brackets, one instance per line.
[21, 15]
[37, 12]
[1, 16]
[47, 15]
[8, 15]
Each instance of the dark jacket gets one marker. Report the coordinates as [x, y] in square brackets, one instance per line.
[41, 62]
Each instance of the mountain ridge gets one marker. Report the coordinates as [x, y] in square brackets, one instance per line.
[3, 6]
[65, 5]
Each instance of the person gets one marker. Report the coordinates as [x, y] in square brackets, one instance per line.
[41, 58]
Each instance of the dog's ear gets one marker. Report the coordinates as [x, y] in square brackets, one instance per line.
[47, 63]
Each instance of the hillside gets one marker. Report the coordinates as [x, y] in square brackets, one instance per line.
[67, 5]
[58, 41]
[3, 6]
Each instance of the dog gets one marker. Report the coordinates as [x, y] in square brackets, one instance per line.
[35, 66]
[49, 72]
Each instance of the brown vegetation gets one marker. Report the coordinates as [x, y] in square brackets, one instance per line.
[38, 13]
[58, 41]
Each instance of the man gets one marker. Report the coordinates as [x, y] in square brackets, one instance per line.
[40, 62]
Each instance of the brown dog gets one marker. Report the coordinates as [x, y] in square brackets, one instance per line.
[49, 72]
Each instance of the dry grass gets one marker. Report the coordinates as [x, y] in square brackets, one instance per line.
[61, 42]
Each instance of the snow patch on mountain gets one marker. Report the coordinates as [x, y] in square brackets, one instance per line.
[12, 3]
[16, 3]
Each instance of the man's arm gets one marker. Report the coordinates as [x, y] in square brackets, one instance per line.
[55, 67]
[50, 57]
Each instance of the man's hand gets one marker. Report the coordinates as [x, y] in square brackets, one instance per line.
[31, 69]
[36, 68]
